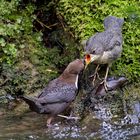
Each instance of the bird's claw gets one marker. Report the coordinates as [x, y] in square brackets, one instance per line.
[49, 125]
[69, 117]
[94, 77]
[105, 85]
[73, 118]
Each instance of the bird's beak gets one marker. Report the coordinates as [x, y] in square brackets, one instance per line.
[94, 57]
[90, 58]
[87, 60]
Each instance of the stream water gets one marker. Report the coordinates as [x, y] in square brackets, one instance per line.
[102, 125]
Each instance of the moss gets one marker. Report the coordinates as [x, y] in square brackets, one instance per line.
[132, 92]
[28, 61]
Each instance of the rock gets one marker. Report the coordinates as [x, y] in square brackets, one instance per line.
[112, 84]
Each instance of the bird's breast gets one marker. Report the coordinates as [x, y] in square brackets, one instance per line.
[105, 58]
[110, 56]
[55, 108]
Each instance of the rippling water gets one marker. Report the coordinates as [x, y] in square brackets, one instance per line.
[103, 125]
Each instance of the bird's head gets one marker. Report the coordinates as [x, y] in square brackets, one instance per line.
[72, 71]
[113, 22]
[90, 58]
[75, 67]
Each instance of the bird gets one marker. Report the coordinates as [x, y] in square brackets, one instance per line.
[105, 47]
[58, 94]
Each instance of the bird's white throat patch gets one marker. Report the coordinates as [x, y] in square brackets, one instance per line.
[76, 81]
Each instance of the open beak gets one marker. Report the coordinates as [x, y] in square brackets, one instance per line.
[90, 58]
[87, 60]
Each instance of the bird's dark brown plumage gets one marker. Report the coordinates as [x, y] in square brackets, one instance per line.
[59, 93]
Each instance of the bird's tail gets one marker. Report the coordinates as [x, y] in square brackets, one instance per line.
[32, 102]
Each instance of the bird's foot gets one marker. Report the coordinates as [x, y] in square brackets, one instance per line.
[94, 77]
[105, 85]
[69, 117]
[49, 125]
[49, 120]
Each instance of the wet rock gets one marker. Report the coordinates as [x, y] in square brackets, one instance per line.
[91, 123]
[136, 108]
[112, 84]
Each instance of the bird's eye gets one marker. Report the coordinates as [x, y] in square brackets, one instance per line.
[117, 43]
[93, 51]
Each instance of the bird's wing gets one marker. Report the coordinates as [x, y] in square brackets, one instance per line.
[65, 93]
[52, 85]
[115, 41]
[96, 43]
[89, 43]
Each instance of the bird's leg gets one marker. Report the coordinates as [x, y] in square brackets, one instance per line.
[49, 120]
[105, 78]
[95, 74]
[68, 117]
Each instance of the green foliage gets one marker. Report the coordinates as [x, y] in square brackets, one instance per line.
[18, 43]
[26, 64]
[16, 40]
[85, 17]
[15, 29]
